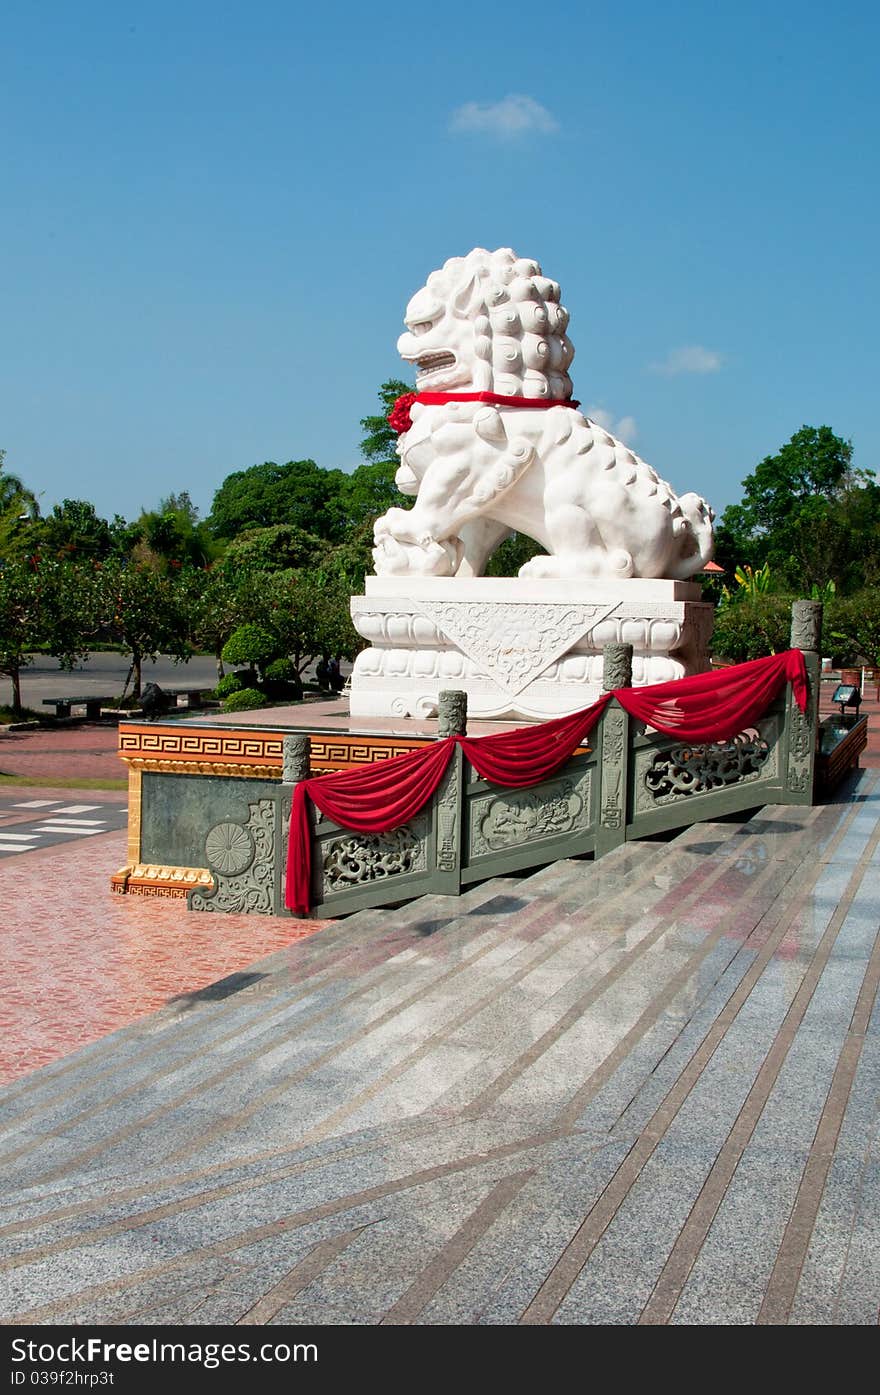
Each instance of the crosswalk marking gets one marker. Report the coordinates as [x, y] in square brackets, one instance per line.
[54, 822]
[78, 832]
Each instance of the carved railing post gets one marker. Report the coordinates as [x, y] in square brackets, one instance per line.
[296, 757]
[801, 728]
[448, 801]
[613, 743]
[806, 626]
[452, 713]
[296, 765]
[617, 666]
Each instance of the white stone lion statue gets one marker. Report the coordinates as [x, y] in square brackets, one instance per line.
[490, 326]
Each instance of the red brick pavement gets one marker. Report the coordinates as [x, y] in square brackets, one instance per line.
[86, 752]
[77, 962]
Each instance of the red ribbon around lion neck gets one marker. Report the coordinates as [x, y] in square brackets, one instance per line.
[399, 418]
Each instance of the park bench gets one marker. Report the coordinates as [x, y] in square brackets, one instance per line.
[192, 696]
[92, 705]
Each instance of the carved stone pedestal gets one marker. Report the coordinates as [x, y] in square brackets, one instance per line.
[517, 647]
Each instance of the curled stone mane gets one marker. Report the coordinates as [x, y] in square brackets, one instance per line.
[520, 345]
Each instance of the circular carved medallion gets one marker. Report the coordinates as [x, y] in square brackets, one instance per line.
[229, 849]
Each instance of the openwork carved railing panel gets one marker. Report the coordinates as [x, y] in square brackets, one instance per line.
[681, 771]
[350, 860]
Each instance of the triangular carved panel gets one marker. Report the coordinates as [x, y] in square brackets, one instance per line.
[513, 642]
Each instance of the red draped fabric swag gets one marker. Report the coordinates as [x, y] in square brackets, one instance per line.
[384, 795]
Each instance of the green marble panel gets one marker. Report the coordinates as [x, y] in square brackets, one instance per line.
[177, 811]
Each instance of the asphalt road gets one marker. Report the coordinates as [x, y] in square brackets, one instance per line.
[103, 675]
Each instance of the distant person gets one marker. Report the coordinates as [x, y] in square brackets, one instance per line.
[337, 682]
[322, 673]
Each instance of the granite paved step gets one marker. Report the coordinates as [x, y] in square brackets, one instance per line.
[222, 1077]
[337, 949]
[643, 1090]
[296, 1052]
[313, 942]
[497, 928]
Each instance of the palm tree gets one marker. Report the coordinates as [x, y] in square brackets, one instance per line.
[18, 506]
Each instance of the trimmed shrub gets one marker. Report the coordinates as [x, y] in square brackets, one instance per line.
[281, 680]
[252, 645]
[280, 671]
[243, 700]
[228, 685]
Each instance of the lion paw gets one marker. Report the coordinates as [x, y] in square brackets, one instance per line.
[393, 558]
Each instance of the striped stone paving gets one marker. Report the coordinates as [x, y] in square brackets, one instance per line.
[640, 1091]
[27, 823]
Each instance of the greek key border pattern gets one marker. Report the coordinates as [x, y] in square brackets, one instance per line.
[160, 880]
[202, 746]
[258, 754]
[332, 753]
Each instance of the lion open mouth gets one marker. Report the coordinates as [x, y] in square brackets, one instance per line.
[431, 364]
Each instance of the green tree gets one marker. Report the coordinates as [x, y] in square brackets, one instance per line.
[18, 510]
[309, 613]
[72, 608]
[379, 444]
[172, 534]
[799, 511]
[348, 563]
[169, 536]
[149, 611]
[750, 627]
[369, 491]
[20, 615]
[851, 627]
[48, 605]
[274, 549]
[252, 645]
[299, 494]
[224, 597]
[74, 531]
[813, 464]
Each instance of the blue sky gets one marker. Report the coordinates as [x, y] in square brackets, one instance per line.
[213, 216]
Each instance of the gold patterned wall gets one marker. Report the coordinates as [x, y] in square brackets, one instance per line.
[238, 753]
[227, 750]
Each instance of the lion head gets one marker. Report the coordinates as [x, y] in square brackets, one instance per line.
[489, 322]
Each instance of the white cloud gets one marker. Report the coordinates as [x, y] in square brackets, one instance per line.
[624, 428]
[692, 359]
[505, 120]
